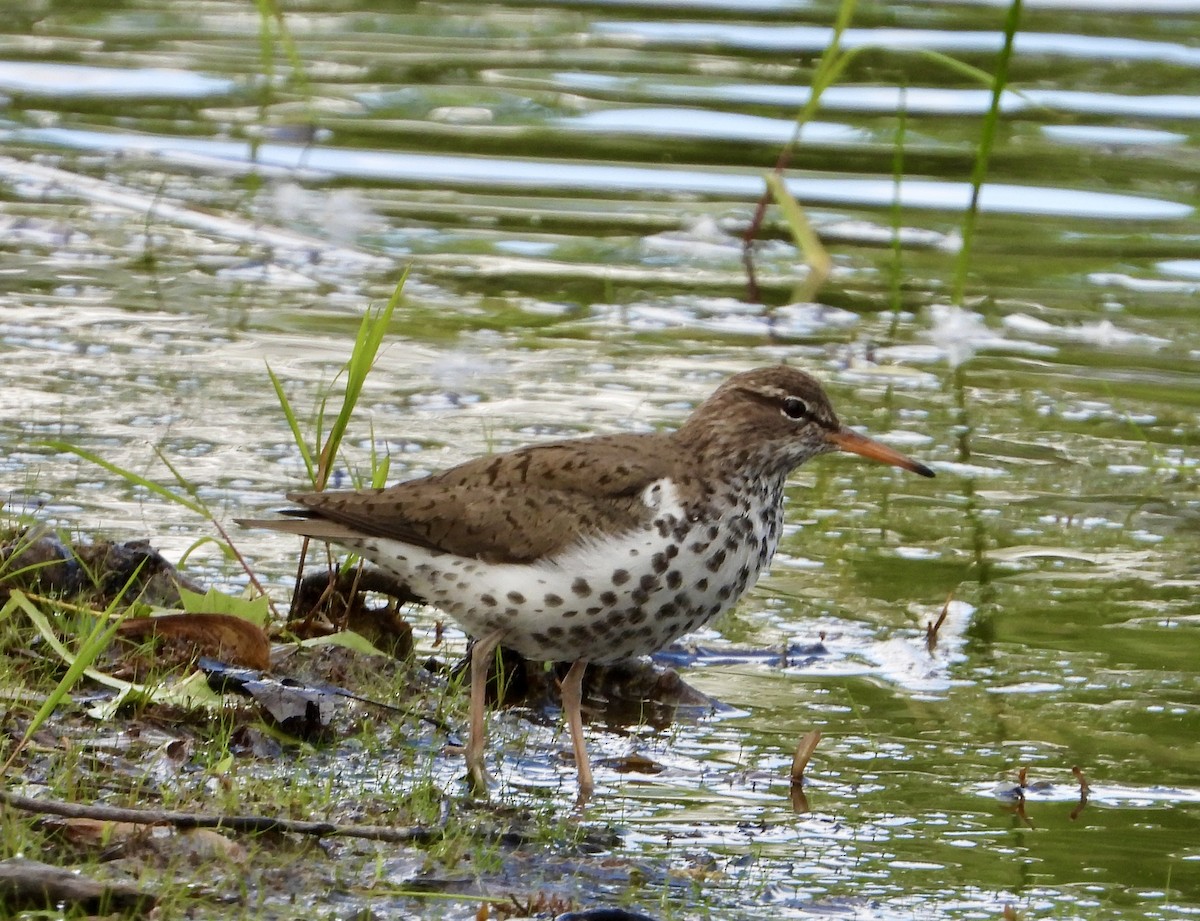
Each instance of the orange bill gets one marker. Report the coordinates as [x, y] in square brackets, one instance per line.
[855, 443]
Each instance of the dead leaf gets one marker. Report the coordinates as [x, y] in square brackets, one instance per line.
[95, 834]
[220, 636]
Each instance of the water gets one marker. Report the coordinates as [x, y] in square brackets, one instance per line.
[568, 183]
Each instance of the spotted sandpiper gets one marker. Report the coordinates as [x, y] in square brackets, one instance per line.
[596, 549]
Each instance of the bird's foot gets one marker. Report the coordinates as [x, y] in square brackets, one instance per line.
[479, 781]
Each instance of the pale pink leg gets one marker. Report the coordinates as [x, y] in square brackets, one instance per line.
[481, 659]
[572, 699]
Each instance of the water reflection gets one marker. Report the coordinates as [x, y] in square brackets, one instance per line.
[814, 40]
[575, 242]
[71, 81]
[506, 173]
[877, 100]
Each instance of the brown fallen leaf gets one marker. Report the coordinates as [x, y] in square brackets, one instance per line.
[205, 844]
[220, 636]
[95, 835]
[114, 839]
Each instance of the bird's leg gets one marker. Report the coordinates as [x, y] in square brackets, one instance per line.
[572, 699]
[481, 659]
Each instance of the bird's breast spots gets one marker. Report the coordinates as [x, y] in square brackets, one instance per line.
[523, 466]
[581, 587]
[662, 494]
[646, 585]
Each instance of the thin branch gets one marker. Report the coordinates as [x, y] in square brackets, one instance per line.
[243, 823]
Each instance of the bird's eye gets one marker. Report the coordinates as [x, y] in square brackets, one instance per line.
[795, 408]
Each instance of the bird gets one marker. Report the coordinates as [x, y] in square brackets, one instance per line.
[596, 549]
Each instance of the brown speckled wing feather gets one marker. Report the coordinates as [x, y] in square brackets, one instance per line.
[507, 508]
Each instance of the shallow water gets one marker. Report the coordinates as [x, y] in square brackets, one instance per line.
[568, 183]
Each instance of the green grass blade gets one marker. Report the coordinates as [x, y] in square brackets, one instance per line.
[79, 663]
[371, 331]
[381, 465]
[185, 484]
[984, 152]
[806, 239]
[895, 270]
[293, 423]
[975, 74]
[130, 477]
[226, 550]
[830, 66]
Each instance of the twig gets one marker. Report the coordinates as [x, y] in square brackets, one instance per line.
[245, 564]
[243, 823]
[1022, 786]
[931, 630]
[36, 886]
[1084, 790]
[804, 751]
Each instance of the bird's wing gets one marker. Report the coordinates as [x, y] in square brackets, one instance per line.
[509, 508]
